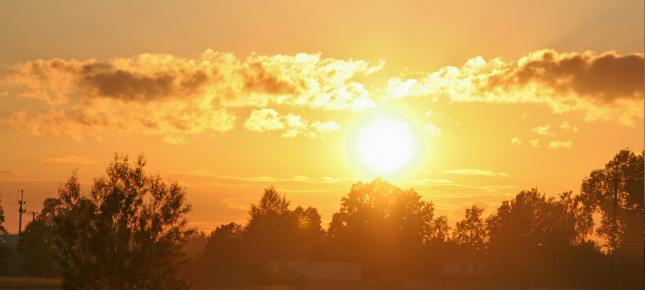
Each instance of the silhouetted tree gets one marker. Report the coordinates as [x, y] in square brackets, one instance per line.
[532, 240]
[535, 240]
[616, 192]
[223, 259]
[8, 255]
[3, 230]
[38, 243]
[127, 235]
[439, 230]
[470, 233]
[238, 254]
[384, 228]
[274, 232]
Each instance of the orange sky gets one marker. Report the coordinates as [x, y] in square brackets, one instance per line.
[228, 97]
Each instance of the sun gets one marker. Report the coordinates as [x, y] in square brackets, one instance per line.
[385, 145]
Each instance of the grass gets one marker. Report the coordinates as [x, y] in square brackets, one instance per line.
[30, 283]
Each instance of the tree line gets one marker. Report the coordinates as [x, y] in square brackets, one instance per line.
[132, 232]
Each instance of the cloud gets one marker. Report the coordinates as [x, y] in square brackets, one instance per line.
[477, 172]
[264, 179]
[256, 81]
[175, 97]
[542, 130]
[604, 86]
[432, 129]
[291, 125]
[534, 143]
[264, 120]
[174, 121]
[563, 144]
[568, 127]
[71, 159]
[516, 141]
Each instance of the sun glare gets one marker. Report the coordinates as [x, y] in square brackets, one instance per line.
[386, 145]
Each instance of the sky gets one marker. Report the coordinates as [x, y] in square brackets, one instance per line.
[468, 102]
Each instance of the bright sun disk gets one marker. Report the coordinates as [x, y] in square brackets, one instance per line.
[386, 145]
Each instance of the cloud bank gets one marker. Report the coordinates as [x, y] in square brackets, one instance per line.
[161, 94]
[175, 97]
[604, 86]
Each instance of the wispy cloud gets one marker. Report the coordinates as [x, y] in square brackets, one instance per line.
[542, 130]
[432, 129]
[264, 179]
[535, 143]
[568, 127]
[71, 159]
[561, 144]
[477, 172]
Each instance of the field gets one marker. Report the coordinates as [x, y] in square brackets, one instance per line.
[31, 283]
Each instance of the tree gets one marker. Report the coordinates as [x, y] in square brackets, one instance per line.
[616, 192]
[126, 235]
[3, 230]
[38, 243]
[384, 228]
[238, 254]
[9, 257]
[279, 233]
[540, 241]
[471, 231]
[222, 261]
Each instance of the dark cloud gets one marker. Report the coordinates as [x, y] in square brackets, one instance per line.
[606, 77]
[257, 79]
[105, 80]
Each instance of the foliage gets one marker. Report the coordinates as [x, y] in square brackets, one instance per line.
[127, 235]
[616, 192]
[470, 232]
[3, 230]
[130, 233]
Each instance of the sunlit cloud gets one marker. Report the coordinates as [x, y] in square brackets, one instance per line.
[542, 130]
[516, 141]
[432, 129]
[477, 172]
[568, 127]
[562, 144]
[604, 86]
[174, 97]
[534, 143]
[263, 179]
[173, 120]
[291, 125]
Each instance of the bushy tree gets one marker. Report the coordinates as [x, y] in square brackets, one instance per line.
[278, 233]
[537, 240]
[616, 192]
[470, 233]
[126, 235]
[237, 254]
[8, 255]
[384, 228]
[38, 243]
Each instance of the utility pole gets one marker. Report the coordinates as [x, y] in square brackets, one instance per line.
[21, 210]
[33, 215]
[615, 214]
